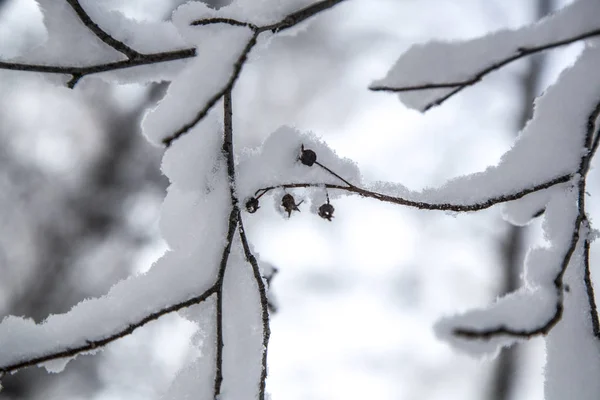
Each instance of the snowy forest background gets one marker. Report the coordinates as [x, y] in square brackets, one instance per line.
[357, 298]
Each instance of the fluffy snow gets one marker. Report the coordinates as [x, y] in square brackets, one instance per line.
[218, 48]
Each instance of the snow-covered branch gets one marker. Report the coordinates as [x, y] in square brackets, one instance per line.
[477, 206]
[100, 33]
[485, 324]
[428, 75]
[93, 344]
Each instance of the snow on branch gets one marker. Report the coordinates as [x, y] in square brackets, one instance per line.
[428, 75]
[100, 33]
[228, 66]
[538, 308]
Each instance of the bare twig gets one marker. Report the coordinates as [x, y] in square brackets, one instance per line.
[79, 72]
[92, 344]
[478, 75]
[286, 22]
[264, 305]
[233, 224]
[587, 278]
[423, 205]
[237, 69]
[100, 33]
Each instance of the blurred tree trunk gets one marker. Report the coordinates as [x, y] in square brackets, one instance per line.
[90, 216]
[512, 248]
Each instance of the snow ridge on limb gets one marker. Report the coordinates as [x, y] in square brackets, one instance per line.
[427, 75]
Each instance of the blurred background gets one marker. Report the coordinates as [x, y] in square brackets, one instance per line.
[80, 196]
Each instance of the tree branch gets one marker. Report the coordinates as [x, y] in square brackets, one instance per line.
[587, 278]
[100, 33]
[423, 205]
[264, 305]
[237, 69]
[233, 224]
[286, 22]
[80, 72]
[580, 177]
[478, 75]
[97, 343]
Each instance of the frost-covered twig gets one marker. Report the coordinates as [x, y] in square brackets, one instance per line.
[79, 72]
[237, 69]
[477, 76]
[287, 22]
[429, 74]
[233, 224]
[100, 33]
[264, 304]
[419, 204]
[590, 287]
[93, 344]
[579, 181]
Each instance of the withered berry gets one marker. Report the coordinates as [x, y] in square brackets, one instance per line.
[308, 157]
[289, 204]
[326, 211]
[252, 205]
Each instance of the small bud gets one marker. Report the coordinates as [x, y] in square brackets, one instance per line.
[289, 204]
[308, 157]
[326, 211]
[252, 205]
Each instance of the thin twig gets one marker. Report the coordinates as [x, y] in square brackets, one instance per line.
[478, 75]
[80, 72]
[233, 224]
[587, 278]
[264, 305]
[237, 69]
[286, 22]
[92, 344]
[334, 174]
[100, 33]
[423, 205]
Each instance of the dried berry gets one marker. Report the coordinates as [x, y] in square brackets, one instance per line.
[326, 211]
[252, 205]
[289, 204]
[308, 157]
